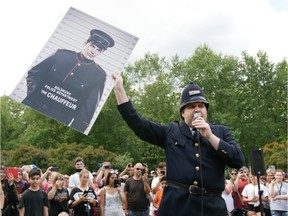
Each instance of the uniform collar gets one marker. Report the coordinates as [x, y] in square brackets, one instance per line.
[82, 59]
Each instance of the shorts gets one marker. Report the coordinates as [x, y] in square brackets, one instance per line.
[251, 207]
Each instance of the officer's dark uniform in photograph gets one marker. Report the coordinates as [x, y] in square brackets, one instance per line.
[195, 169]
[67, 86]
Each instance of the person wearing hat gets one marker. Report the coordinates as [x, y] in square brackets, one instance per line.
[68, 86]
[197, 153]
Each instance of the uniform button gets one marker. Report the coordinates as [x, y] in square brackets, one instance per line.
[197, 155]
[72, 74]
[79, 64]
[224, 151]
[197, 168]
[82, 86]
[195, 183]
[196, 144]
[54, 69]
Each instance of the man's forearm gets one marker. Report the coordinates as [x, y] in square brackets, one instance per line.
[121, 96]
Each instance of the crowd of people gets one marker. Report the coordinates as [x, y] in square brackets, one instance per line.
[243, 197]
[134, 191]
[104, 192]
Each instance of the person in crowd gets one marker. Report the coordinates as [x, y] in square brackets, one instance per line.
[66, 181]
[239, 183]
[68, 86]
[97, 192]
[20, 184]
[112, 197]
[227, 193]
[102, 173]
[25, 170]
[268, 180]
[149, 197]
[278, 191]
[123, 175]
[158, 196]
[10, 200]
[74, 179]
[34, 201]
[127, 169]
[153, 174]
[82, 197]
[51, 174]
[195, 151]
[155, 184]
[161, 171]
[251, 194]
[58, 197]
[2, 198]
[136, 191]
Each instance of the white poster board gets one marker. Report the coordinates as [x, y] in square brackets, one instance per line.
[62, 84]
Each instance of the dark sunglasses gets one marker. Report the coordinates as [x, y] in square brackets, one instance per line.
[234, 173]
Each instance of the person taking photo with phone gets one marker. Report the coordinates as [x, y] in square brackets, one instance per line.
[58, 197]
[112, 198]
[9, 194]
[82, 197]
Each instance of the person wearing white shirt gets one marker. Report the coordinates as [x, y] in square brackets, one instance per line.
[74, 179]
[279, 194]
[250, 194]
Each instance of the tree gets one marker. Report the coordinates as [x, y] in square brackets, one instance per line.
[276, 154]
[12, 122]
[262, 97]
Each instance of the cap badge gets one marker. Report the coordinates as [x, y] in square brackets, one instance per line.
[194, 92]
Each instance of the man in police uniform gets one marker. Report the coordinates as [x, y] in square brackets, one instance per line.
[68, 86]
[196, 153]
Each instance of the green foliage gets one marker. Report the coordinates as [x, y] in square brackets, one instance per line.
[276, 154]
[25, 155]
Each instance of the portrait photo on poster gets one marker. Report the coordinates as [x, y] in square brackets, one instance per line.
[71, 78]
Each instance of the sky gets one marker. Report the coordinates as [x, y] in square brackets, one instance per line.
[165, 27]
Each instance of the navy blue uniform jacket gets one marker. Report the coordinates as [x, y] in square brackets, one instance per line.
[183, 154]
[66, 87]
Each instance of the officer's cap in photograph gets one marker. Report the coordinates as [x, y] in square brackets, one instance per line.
[101, 39]
[191, 94]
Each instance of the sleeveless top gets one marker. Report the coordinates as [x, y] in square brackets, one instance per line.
[113, 205]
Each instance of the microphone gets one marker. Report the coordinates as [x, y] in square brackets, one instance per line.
[197, 115]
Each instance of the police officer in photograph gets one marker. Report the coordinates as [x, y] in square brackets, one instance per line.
[68, 86]
[196, 153]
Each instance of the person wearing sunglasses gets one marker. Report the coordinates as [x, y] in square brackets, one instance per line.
[137, 191]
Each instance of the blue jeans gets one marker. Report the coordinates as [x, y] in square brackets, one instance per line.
[279, 213]
[138, 213]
